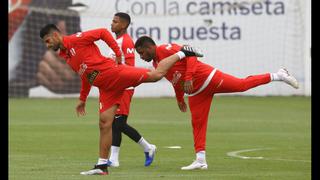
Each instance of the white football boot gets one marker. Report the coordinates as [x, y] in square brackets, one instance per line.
[197, 164]
[287, 78]
[101, 169]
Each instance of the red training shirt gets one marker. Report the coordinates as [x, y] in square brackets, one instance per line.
[189, 68]
[84, 56]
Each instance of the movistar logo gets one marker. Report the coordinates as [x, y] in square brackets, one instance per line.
[130, 50]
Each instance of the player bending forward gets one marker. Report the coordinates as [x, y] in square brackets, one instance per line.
[201, 81]
[84, 57]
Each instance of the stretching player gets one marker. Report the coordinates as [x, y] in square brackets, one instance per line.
[119, 26]
[112, 78]
[201, 81]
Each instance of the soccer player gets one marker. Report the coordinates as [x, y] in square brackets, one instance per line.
[201, 81]
[112, 78]
[119, 26]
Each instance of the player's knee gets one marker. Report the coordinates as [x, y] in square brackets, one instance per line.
[105, 123]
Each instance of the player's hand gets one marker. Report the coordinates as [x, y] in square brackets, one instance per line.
[182, 106]
[80, 108]
[188, 87]
[118, 60]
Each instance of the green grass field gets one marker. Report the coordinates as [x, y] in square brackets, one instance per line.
[48, 141]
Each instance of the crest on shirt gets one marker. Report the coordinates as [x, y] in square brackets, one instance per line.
[82, 68]
[175, 77]
[79, 34]
[72, 52]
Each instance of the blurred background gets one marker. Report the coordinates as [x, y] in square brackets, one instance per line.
[239, 37]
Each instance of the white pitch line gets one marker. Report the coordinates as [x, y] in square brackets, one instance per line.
[237, 155]
[173, 147]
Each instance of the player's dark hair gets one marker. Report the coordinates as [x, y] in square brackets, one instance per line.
[47, 29]
[144, 41]
[124, 16]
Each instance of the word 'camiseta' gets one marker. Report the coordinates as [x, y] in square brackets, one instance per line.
[175, 8]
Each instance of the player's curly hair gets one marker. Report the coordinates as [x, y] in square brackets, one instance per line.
[47, 29]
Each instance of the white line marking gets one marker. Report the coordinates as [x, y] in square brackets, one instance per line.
[237, 155]
[173, 147]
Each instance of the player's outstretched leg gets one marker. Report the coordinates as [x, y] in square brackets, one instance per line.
[191, 51]
[283, 75]
[101, 169]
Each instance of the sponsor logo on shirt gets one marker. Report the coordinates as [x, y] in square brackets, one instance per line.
[130, 50]
[92, 76]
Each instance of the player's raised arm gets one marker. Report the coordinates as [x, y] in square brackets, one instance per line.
[101, 34]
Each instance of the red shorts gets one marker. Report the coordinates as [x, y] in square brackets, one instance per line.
[127, 76]
[124, 106]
